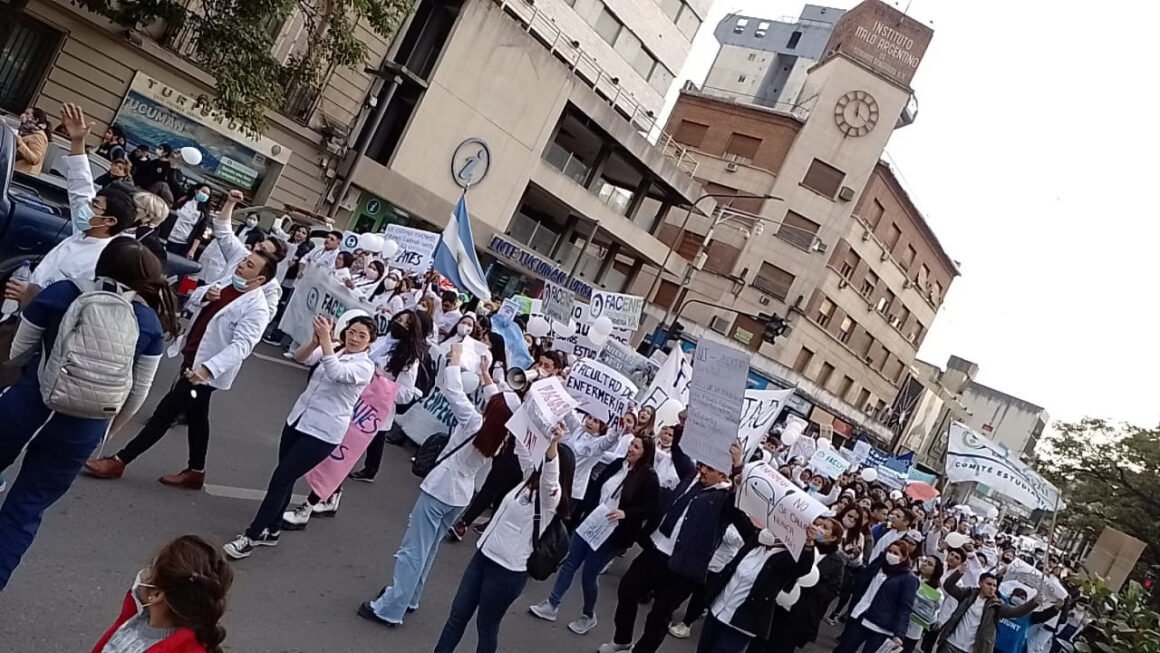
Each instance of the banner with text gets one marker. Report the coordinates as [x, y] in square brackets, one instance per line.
[760, 411]
[829, 463]
[778, 505]
[546, 404]
[601, 391]
[318, 293]
[716, 397]
[623, 310]
[556, 302]
[671, 382]
[971, 457]
[624, 359]
[416, 247]
[373, 406]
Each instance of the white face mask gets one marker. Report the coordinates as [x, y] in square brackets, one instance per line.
[463, 330]
[766, 538]
[251, 222]
[893, 559]
[135, 591]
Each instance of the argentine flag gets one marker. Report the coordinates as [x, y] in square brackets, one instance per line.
[455, 254]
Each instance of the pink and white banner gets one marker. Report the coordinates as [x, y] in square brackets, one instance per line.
[370, 411]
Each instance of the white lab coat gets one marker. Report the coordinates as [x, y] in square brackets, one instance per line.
[324, 408]
[453, 480]
[74, 258]
[230, 336]
[233, 251]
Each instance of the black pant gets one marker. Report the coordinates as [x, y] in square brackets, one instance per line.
[649, 572]
[374, 455]
[193, 400]
[696, 605]
[298, 453]
[846, 592]
[275, 332]
[928, 640]
[500, 480]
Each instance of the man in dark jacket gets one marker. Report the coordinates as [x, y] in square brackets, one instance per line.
[676, 556]
[798, 626]
[972, 627]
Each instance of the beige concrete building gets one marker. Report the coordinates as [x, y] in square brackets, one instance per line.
[845, 255]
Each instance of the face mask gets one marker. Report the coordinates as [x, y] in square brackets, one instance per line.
[816, 489]
[391, 284]
[136, 591]
[893, 559]
[766, 538]
[398, 331]
[463, 330]
[239, 282]
[372, 274]
[200, 197]
[82, 218]
[1015, 600]
[820, 538]
[251, 222]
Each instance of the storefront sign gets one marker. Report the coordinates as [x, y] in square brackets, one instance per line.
[416, 247]
[530, 262]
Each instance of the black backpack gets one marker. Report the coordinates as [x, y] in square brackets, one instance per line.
[548, 548]
[430, 453]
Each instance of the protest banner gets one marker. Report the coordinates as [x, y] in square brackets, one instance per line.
[860, 453]
[716, 396]
[972, 457]
[429, 417]
[374, 404]
[1019, 571]
[601, 391]
[624, 359]
[623, 310]
[828, 463]
[778, 505]
[671, 382]
[509, 309]
[416, 247]
[556, 303]
[579, 344]
[760, 411]
[546, 404]
[318, 293]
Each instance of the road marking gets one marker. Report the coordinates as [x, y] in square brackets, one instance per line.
[279, 360]
[245, 493]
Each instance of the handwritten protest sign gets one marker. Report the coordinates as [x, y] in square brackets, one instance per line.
[373, 406]
[601, 391]
[430, 417]
[861, 453]
[671, 382]
[760, 411]
[828, 463]
[624, 359]
[778, 505]
[579, 344]
[1021, 572]
[623, 310]
[416, 247]
[556, 302]
[545, 405]
[316, 294]
[596, 527]
[716, 396]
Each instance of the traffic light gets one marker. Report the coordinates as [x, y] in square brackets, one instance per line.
[775, 325]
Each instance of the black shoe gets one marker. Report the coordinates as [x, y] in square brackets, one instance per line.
[367, 612]
[362, 475]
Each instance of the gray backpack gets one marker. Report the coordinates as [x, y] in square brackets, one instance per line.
[89, 372]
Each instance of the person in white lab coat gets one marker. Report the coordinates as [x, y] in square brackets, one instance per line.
[233, 251]
[322, 257]
[226, 325]
[316, 424]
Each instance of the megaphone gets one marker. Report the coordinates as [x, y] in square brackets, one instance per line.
[519, 379]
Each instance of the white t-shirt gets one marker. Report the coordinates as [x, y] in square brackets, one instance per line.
[73, 259]
[187, 217]
[968, 629]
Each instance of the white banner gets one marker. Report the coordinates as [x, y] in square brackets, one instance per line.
[556, 302]
[579, 344]
[545, 405]
[416, 247]
[671, 382]
[431, 416]
[760, 411]
[623, 310]
[601, 391]
[624, 359]
[829, 463]
[778, 505]
[349, 241]
[1021, 572]
[861, 452]
[596, 527]
[716, 396]
[972, 457]
[318, 293]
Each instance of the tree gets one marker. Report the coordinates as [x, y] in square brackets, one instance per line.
[233, 40]
[1110, 475]
[1120, 623]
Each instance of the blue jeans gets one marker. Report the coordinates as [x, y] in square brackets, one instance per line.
[579, 553]
[53, 459]
[720, 637]
[428, 525]
[857, 637]
[491, 589]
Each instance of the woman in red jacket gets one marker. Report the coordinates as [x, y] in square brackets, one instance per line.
[175, 603]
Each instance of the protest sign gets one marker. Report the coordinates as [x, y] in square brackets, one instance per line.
[374, 404]
[545, 405]
[601, 391]
[716, 396]
[623, 310]
[1021, 572]
[671, 382]
[760, 411]
[416, 247]
[431, 416]
[861, 453]
[972, 457]
[624, 359]
[556, 302]
[318, 293]
[509, 309]
[828, 463]
[579, 344]
[778, 505]
[596, 527]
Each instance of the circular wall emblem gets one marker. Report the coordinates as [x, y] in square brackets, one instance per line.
[373, 207]
[470, 163]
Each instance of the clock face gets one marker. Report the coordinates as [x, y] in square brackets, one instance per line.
[856, 113]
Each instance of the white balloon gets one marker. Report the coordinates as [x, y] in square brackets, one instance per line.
[470, 382]
[602, 325]
[538, 327]
[597, 339]
[787, 599]
[566, 330]
[389, 248]
[789, 437]
[345, 319]
[191, 155]
[956, 540]
[668, 413]
[992, 512]
[824, 443]
[370, 243]
[869, 474]
[811, 578]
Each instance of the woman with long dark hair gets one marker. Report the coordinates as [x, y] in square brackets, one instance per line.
[63, 443]
[370, 277]
[625, 493]
[882, 613]
[798, 626]
[175, 604]
[493, 340]
[646, 422]
[852, 551]
[927, 601]
[395, 293]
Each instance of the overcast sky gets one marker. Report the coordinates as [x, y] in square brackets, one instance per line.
[1033, 159]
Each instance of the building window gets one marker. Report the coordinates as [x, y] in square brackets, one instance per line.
[762, 29]
[794, 39]
[845, 331]
[690, 133]
[742, 23]
[868, 284]
[848, 264]
[742, 148]
[923, 276]
[825, 312]
[823, 178]
[824, 374]
[802, 362]
[876, 213]
[660, 79]
[24, 62]
[752, 56]
[667, 294]
[863, 399]
[908, 257]
[885, 302]
[937, 293]
[915, 336]
[773, 280]
[607, 26]
[741, 78]
[688, 22]
[570, 3]
[844, 387]
[893, 237]
[798, 231]
[865, 353]
[670, 8]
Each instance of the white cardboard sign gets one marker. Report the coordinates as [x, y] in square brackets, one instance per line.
[416, 247]
[556, 302]
[761, 410]
[546, 404]
[778, 505]
[601, 391]
[671, 382]
[829, 463]
[624, 310]
[716, 397]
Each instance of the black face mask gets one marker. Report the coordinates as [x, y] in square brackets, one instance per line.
[398, 331]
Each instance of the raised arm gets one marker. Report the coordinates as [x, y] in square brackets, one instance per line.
[78, 172]
[233, 250]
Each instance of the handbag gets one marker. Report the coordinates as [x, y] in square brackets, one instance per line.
[548, 548]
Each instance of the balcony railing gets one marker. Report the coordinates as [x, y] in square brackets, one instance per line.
[567, 163]
[800, 110]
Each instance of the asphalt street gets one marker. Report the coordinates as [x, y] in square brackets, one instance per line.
[298, 597]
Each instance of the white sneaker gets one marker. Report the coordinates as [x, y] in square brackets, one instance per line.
[288, 355]
[241, 547]
[610, 647]
[328, 508]
[544, 610]
[679, 630]
[582, 625]
[296, 519]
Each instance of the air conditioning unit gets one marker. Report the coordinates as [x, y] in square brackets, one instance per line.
[731, 166]
[846, 194]
[842, 283]
[868, 409]
[719, 324]
[819, 246]
[763, 300]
